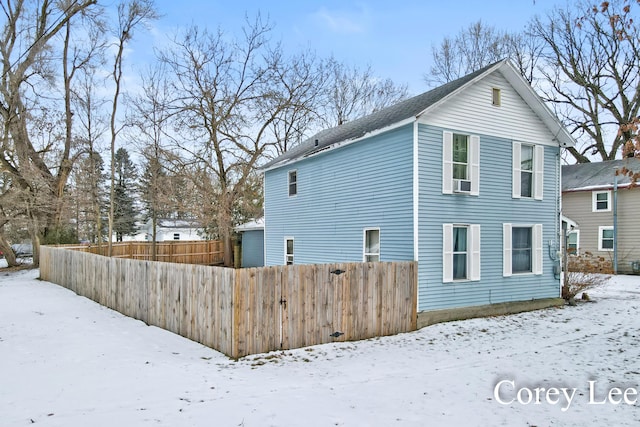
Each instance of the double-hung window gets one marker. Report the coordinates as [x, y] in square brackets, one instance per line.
[460, 163]
[605, 238]
[461, 252]
[293, 183]
[371, 245]
[573, 242]
[528, 171]
[288, 250]
[522, 247]
[601, 201]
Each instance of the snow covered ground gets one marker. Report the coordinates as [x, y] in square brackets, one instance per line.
[66, 361]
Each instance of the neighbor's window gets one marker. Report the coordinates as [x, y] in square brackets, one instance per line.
[495, 96]
[372, 245]
[601, 201]
[288, 251]
[176, 236]
[293, 183]
[460, 156]
[460, 253]
[521, 252]
[573, 242]
[526, 170]
[605, 242]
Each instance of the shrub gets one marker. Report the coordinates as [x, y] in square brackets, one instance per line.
[585, 272]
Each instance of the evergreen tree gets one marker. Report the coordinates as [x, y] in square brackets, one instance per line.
[125, 211]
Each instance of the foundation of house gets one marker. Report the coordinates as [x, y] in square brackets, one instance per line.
[426, 318]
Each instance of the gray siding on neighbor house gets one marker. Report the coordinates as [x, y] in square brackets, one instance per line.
[253, 248]
[491, 208]
[578, 207]
[339, 193]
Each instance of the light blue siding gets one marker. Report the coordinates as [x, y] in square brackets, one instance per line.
[493, 207]
[339, 193]
[253, 248]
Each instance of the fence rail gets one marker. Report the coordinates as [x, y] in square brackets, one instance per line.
[203, 252]
[246, 311]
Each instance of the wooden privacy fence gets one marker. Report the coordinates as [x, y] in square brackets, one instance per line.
[246, 311]
[203, 252]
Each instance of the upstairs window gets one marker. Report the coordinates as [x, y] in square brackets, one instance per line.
[176, 236]
[371, 245]
[495, 97]
[601, 201]
[460, 163]
[528, 171]
[293, 183]
[460, 156]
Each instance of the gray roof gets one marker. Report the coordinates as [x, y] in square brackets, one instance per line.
[386, 117]
[591, 176]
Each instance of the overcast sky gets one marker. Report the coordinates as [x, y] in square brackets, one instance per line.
[394, 37]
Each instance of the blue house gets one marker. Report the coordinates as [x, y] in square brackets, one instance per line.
[464, 179]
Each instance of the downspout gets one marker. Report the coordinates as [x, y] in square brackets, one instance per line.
[615, 222]
[416, 207]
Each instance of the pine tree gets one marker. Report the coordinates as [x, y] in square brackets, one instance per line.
[125, 211]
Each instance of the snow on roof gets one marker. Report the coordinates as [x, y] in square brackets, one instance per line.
[256, 224]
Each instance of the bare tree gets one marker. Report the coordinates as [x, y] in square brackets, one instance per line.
[227, 109]
[593, 73]
[131, 14]
[352, 93]
[26, 69]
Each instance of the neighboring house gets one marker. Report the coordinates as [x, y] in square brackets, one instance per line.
[592, 199]
[252, 243]
[170, 229]
[464, 179]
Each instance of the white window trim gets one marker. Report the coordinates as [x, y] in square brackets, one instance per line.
[496, 97]
[286, 255]
[473, 163]
[289, 182]
[577, 233]
[600, 230]
[538, 171]
[594, 201]
[536, 250]
[364, 243]
[473, 253]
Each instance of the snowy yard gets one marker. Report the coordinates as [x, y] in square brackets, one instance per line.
[66, 361]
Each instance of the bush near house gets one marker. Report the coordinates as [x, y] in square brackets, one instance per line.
[584, 272]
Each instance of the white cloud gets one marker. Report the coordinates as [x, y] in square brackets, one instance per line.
[344, 21]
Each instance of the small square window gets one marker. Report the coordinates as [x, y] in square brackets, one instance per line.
[293, 183]
[495, 96]
[601, 201]
[176, 236]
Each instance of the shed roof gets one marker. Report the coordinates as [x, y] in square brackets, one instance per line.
[414, 107]
[596, 175]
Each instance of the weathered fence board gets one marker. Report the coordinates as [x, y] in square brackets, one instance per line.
[202, 252]
[246, 311]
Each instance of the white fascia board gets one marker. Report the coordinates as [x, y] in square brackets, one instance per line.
[341, 144]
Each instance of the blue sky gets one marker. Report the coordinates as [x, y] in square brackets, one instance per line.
[395, 38]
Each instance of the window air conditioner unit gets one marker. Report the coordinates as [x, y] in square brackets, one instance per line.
[461, 186]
